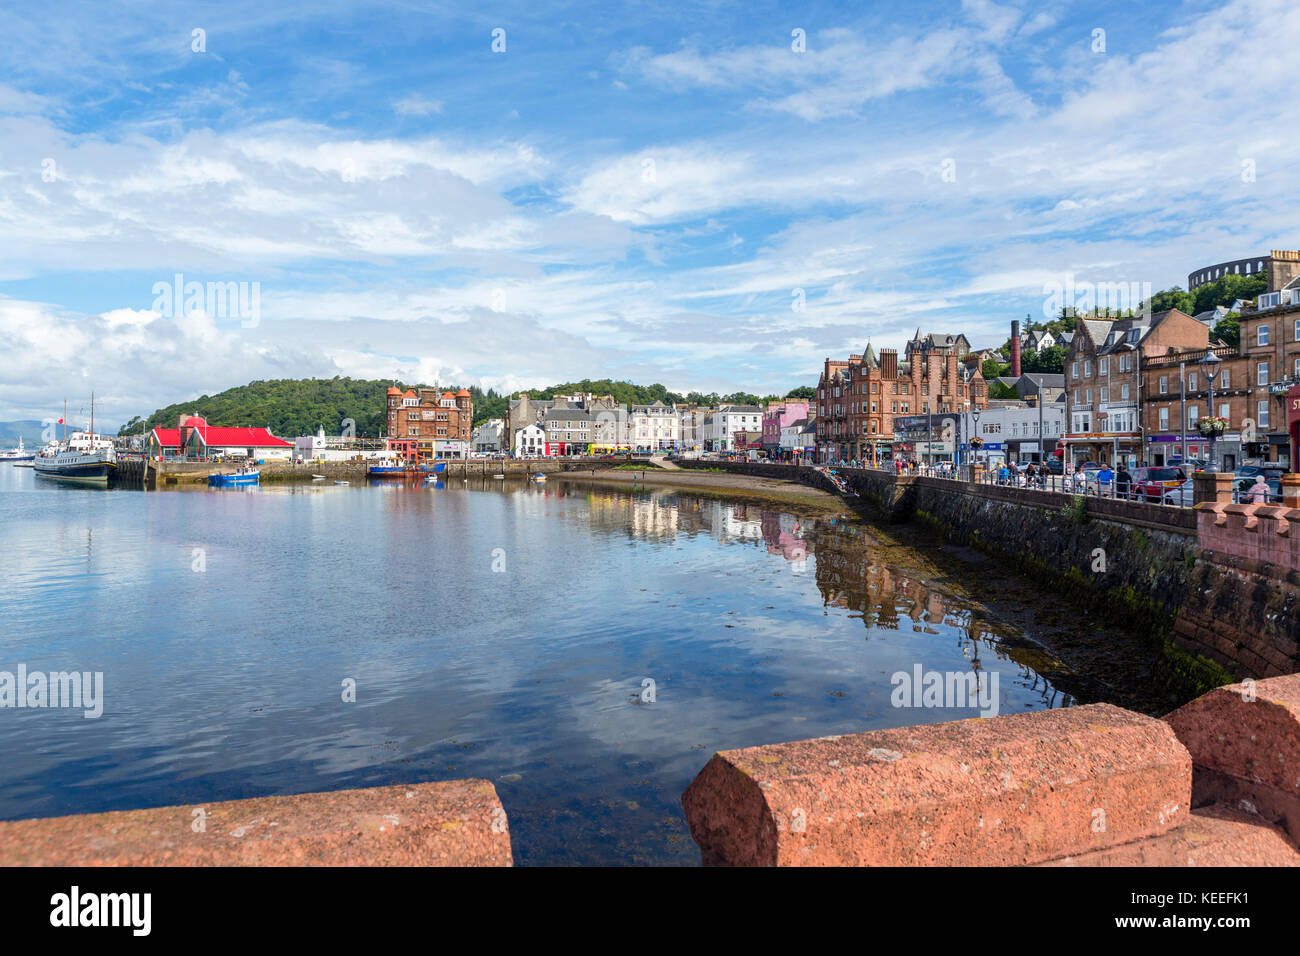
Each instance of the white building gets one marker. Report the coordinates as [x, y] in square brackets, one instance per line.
[728, 420]
[795, 435]
[488, 435]
[653, 427]
[691, 428]
[1011, 432]
[530, 441]
[322, 447]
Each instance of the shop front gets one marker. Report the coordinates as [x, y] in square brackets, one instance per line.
[1111, 448]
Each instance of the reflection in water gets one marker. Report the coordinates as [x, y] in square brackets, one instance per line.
[493, 628]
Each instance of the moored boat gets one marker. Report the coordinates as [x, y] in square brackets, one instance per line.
[17, 454]
[244, 476]
[397, 469]
[81, 458]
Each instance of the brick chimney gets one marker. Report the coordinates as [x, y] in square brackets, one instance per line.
[889, 363]
[1015, 348]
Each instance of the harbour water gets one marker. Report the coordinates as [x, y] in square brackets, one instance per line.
[585, 648]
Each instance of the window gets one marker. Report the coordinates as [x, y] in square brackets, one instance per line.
[1225, 380]
[1261, 413]
[1087, 368]
[1225, 412]
[1261, 335]
[1164, 384]
[1074, 370]
[1261, 373]
[1105, 394]
[1191, 381]
[1164, 419]
[1101, 366]
[1123, 393]
[1193, 413]
[1089, 394]
[1297, 330]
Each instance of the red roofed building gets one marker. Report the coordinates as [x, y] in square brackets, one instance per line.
[438, 421]
[195, 438]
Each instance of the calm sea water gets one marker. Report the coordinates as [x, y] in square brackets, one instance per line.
[506, 633]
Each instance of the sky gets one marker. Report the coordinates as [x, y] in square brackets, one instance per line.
[712, 196]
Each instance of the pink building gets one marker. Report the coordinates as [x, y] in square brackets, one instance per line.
[777, 416]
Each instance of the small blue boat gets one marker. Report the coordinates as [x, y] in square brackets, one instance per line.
[241, 477]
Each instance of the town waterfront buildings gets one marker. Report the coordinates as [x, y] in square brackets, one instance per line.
[872, 408]
[439, 422]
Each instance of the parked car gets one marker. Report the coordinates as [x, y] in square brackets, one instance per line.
[1151, 483]
[1245, 476]
[1242, 493]
[1181, 495]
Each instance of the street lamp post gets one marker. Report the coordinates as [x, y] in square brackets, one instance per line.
[1211, 363]
[975, 417]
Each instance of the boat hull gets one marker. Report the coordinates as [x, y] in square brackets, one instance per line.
[91, 473]
[230, 481]
[399, 471]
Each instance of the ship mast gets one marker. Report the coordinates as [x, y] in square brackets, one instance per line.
[92, 419]
[65, 421]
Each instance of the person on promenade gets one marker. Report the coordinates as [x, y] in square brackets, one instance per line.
[1123, 482]
[1104, 479]
[1080, 479]
[1031, 475]
[1259, 492]
[1004, 474]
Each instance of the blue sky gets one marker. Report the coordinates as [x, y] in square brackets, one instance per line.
[627, 191]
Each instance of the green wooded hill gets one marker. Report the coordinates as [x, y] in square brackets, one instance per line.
[292, 407]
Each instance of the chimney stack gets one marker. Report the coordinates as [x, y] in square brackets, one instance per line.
[1015, 348]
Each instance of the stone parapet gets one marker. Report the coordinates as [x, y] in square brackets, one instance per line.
[1019, 789]
[451, 823]
[1244, 740]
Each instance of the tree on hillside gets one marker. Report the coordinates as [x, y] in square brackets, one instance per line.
[1050, 360]
[1228, 329]
[802, 392]
[991, 369]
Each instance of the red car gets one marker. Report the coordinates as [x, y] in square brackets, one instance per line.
[1152, 484]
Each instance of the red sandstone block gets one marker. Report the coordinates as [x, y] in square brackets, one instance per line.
[1018, 789]
[1218, 835]
[1254, 739]
[452, 823]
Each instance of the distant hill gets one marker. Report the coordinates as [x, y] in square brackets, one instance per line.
[28, 430]
[292, 407]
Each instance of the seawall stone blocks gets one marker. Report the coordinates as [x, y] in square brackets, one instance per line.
[1244, 740]
[451, 823]
[1019, 789]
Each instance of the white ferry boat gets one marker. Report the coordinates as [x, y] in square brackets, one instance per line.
[17, 454]
[83, 457]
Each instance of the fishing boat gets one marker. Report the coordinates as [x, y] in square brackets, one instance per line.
[397, 469]
[17, 454]
[82, 458]
[244, 476]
